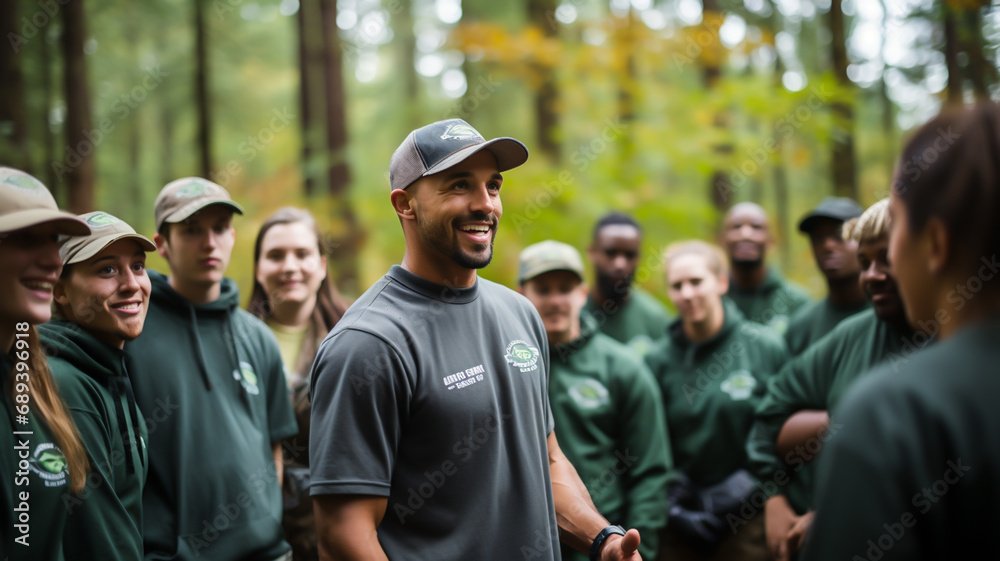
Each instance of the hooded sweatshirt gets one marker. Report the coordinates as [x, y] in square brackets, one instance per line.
[105, 520]
[773, 303]
[710, 391]
[209, 380]
[609, 418]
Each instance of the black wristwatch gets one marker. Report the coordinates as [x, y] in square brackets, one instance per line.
[595, 547]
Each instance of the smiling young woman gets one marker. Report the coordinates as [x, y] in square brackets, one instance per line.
[101, 300]
[44, 462]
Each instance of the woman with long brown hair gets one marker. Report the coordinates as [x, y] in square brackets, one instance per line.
[292, 293]
[41, 455]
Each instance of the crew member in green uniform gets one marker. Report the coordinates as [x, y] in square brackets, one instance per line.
[712, 368]
[800, 396]
[431, 432]
[209, 380]
[836, 258]
[913, 472]
[606, 404]
[759, 291]
[42, 459]
[101, 300]
[622, 310]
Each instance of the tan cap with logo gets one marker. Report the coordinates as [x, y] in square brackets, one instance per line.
[181, 198]
[104, 231]
[25, 202]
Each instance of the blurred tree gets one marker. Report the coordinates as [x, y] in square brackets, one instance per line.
[542, 14]
[711, 58]
[845, 182]
[203, 104]
[311, 87]
[13, 109]
[77, 165]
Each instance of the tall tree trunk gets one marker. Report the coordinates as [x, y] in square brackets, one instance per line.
[81, 140]
[134, 119]
[542, 13]
[720, 183]
[888, 109]
[982, 74]
[407, 41]
[201, 93]
[13, 108]
[338, 172]
[310, 90]
[52, 178]
[951, 49]
[843, 163]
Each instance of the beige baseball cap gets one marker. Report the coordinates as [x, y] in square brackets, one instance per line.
[25, 202]
[181, 198]
[548, 256]
[105, 230]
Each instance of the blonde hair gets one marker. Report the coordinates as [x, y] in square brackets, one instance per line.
[873, 224]
[714, 258]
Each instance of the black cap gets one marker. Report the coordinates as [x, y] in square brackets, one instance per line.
[834, 208]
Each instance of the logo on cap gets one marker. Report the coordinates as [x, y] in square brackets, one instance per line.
[459, 131]
[23, 181]
[101, 219]
[194, 189]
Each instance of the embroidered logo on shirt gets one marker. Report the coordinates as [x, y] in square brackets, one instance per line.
[522, 355]
[247, 378]
[465, 378]
[49, 463]
[589, 394]
[739, 385]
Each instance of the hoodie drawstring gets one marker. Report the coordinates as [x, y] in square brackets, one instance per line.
[199, 353]
[234, 355]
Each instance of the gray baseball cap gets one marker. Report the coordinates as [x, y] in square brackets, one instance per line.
[181, 198]
[833, 208]
[25, 202]
[545, 257]
[438, 146]
[105, 230]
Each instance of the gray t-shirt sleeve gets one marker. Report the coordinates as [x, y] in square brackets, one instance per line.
[360, 400]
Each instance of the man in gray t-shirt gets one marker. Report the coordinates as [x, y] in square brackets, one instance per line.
[431, 429]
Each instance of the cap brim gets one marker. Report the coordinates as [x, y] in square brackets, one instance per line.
[95, 246]
[65, 222]
[190, 209]
[509, 153]
[547, 268]
[807, 223]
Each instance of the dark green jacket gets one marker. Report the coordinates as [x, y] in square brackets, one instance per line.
[210, 382]
[913, 473]
[772, 303]
[610, 424]
[105, 521]
[710, 391]
[817, 379]
[636, 323]
[813, 321]
[34, 482]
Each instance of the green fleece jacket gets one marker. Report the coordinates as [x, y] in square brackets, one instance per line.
[637, 322]
[710, 390]
[817, 379]
[105, 520]
[610, 423]
[210, 382]
[813, 321]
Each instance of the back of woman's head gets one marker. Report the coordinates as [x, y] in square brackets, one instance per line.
[950, 171]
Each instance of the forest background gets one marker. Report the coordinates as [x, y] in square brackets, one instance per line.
[670, 110]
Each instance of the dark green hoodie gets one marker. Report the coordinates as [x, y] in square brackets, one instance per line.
[34, 481]
[210, 382]
[817, 379]
[105, 520]
[773, 303]
[609, 418]
[710, 391]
